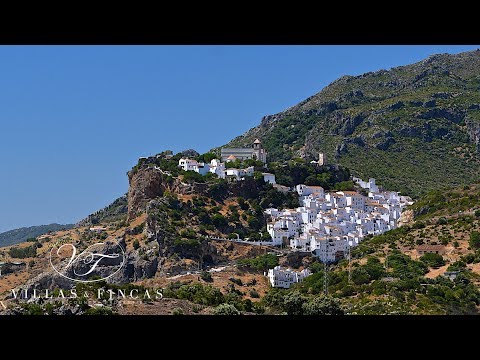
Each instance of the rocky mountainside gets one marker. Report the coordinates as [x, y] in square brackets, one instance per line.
[414, 128]
[23, 234]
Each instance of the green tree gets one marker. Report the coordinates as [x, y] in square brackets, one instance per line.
[274, 298]
[316, 267]
[360, 276]
[374, 268]
[260, 263]
[136, 244]
[433, 260]
[322, 305]
[207, 157]
[293, 303]
[219, 221]
[192, 176]
[475, 239]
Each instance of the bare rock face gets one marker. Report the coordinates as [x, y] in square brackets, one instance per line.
[474, 132]
[149, 183]
[406, 218]
[145, 184]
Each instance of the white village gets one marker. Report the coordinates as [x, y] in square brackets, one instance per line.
[327, 224]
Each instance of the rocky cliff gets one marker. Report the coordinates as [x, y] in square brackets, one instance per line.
[148, 183]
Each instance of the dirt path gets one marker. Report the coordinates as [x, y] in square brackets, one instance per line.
[436, 272]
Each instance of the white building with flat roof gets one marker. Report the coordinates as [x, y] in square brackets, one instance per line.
[284, 278]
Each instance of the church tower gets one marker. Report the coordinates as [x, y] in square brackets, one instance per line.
[259, 152]
[322, 159]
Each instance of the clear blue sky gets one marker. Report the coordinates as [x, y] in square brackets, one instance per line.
[75, 119]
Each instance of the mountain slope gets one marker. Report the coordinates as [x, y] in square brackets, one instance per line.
[415, 128]
[116, 211]
[20, 235]
[390, 275]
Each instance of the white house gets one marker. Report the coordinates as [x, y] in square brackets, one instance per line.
[354, 199]
[336, 199]
[218, 168]
[304, 190]
[238, 174]
[329, 249]
[202, 168]
[269, 178]
[284, 278]
[370, 185]
[187, 164]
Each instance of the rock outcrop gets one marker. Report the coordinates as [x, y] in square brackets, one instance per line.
[148, 183]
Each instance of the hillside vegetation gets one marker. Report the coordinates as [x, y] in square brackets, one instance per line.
[389, 276]
[414, 128]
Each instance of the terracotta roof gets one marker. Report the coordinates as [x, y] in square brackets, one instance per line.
[231, 157]
[349, 192]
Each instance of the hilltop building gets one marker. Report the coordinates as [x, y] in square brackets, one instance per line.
[255, 152]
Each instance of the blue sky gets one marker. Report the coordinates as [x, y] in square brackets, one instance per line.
[75, 119]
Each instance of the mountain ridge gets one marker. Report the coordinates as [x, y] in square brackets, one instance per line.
[403, 126]
[22, 234]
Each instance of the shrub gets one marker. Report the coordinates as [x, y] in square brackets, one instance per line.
[22, 253]
[206, 276]
[477, 213]
[192, 176]
[219, 221]
[226, 309]
[316, 267]
[374, 268]
[274, 298]
[322, 305]
[33, 309]
[260, 263]
[99, 311]
[432, 260]
[360, 276]
[198, 293]
[236, 281]
[138, 229]
[475, 240]
[293, 303]
[177, 311]
[254, 294]
[136, 244]
[442, 221]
